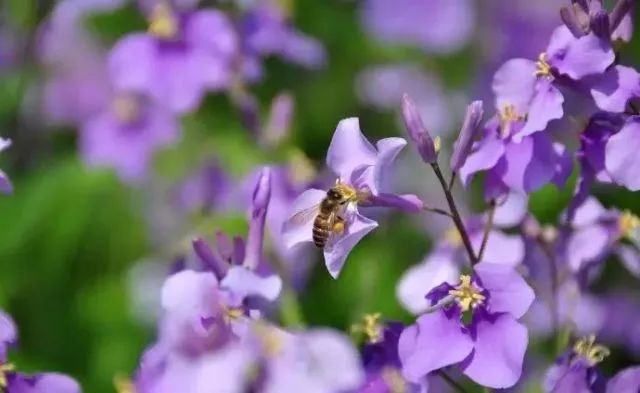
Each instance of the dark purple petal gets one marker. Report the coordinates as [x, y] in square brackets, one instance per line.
[620, 11]
[613, 90]
[209, 259]
[621, 155]
[508, 291]
[435, 341]
[498, 353]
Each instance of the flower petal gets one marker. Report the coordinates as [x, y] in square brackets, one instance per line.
[626, 381]
[514, 84]
[433, 342]
[243, 282]
[512, 211]
[388, 149]
[613, 90]
[508, 291]
[5, 184]
[131, 63]
[546, 105]
[621, 155]
[296, 231]
[416, 282]
[498, 353]
[349, 149]
[530, 164]
[336, 254]
[630, 259]
[485, 156]
[582, 56]
[586, 245]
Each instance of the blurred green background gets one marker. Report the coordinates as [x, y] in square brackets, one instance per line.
[69, 235]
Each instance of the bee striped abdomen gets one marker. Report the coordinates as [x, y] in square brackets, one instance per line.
[321, 230]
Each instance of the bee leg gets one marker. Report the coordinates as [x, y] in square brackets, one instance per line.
[339, 226]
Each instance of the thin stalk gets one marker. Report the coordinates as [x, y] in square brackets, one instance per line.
[451, 382]
[437, 211]
[452, 180]
[487, 228]
[455, 215]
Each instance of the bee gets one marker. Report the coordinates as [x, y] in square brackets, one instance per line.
[328, 215]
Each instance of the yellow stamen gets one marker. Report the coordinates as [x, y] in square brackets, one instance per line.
[232, 313]
[507, 116]
[467, 294]
[125, 108]
[370, 327]
[4, 368]
[394, 380]
[628, 224]
[437, 144]
[123, 384]
[163, 23]
[452, 236]
[542, 66]
[589, 350]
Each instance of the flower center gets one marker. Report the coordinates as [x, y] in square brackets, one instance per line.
[628, 224]
[507, 116]
[542, 66]
[370, 327]
[4, 368]
[393, 379]
[163, 23]
[232, 313]
[123, 384]
[589, 350]
[467, 294]
[126, 108]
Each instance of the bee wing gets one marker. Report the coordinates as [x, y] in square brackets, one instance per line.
[304, 216]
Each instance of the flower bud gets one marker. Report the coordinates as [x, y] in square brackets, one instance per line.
[417, 132]
[255, 238]
[621, 9]
[209, 259]
[600, 24]
[468, 133]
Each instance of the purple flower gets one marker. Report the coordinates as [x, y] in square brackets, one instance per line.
[490, 348]
[523, 166]
[435, 25]
[468, 134]
[613, 90]
[443, 263]
[207, 189]
[266, 31]
[621, 158]
[576, 371]
[126, 134]
[360, 168]
[182, 56]
[585, 17]
[417, 132]
[5, 184]
[527, 90]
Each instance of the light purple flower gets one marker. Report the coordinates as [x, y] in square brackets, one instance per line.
[417, 131]
[126, 134]
[5, 183]
[266, 31]
[584, 17]
[184, 55]
[439, 26]
[8, 335]
[360, 168]
[527, 90]
[613, 90]
[490, 349]
[208, 188]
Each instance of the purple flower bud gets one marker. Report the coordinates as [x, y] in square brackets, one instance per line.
[621, 9]
[261, 197]
[209, 259]
[417, 132]
[279, 122]
[225, 247]
[468, 133]
[600, 24]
